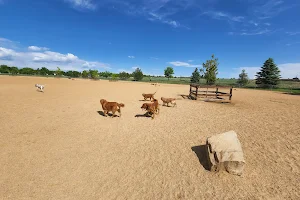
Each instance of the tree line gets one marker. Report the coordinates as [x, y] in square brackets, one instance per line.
[93, 74]
[268, 76]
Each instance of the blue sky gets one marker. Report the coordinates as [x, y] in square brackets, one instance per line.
[120, 35]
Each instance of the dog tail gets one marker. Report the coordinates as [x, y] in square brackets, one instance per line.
[121, 105]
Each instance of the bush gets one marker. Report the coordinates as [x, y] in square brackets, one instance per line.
[138, 75]
[124, 75]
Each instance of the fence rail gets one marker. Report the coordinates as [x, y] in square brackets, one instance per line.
[210, 95]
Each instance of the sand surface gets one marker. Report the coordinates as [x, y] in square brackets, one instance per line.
[56, 145]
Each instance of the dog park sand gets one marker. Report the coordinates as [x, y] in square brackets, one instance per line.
[56, 145]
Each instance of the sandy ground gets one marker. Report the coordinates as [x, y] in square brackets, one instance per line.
[56, 145]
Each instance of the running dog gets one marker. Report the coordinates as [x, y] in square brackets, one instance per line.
[148, 96]
[169, 100]
[151, 108]
[40, 87]
[111, 106]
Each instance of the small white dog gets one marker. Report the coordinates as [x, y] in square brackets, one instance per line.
[40, 87]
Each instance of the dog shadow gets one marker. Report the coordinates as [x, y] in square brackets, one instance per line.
[109, 114]
[201, 153]
[143, 115]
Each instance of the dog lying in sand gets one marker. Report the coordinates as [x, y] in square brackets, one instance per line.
[40, 87]
[111, 106]
[148, 96]
[151, 108]
[169, 100]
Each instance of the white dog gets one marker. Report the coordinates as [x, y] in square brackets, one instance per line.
[40, 87]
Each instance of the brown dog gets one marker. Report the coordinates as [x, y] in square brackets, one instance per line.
[148, 96]
[151, 108]
[169, 100]
[111, 106]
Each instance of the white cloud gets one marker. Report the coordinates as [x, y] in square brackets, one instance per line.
[190, 60]
[253, 22]
[223, 16]
[35, 48]
[287, 70]
[252, 32]
[153, 10]
[6, 54]
[154, 16]
[290, 44]
[49, 56]
[82, 4]
[183, 64]
[131, 57]
[293, 33]
[47, 59]
[6, 43]
[271, 8]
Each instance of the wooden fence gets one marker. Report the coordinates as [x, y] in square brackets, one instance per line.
[202, 91]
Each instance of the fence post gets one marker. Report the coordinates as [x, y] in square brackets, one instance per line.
[217, 90]
[196, 92]
[230, 93]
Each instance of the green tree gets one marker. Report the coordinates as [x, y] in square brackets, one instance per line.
[72, 73]
[14, 70]
[138, 74]
[4, 69]
[243, 78]
[44, 71]
[51, 72]
[169, 71]
[210, 69]
[85, 74]
[37, 71]
[105, 74]
[195, 78]
[27, 70]
[114, 76]
[124, 75]
[58, 72]
[76, 74]
[269, 74]
[94, 74]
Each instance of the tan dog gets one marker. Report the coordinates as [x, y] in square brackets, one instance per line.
[111, 106]
[169, 100]
[151, 108]
[148, 96]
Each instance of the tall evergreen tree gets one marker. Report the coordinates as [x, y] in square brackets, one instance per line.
[211, 70]
[243, 78]
[195, 78]
[269, 74]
